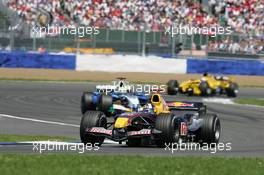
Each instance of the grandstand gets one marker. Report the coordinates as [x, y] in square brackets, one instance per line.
[137, 26]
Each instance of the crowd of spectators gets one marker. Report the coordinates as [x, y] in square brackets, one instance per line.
[243, 15]
[246, 17]
[243, 46]
[116, 14]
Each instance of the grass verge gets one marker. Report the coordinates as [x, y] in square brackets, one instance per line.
[250, 101]
[111, 165]
[21, 138]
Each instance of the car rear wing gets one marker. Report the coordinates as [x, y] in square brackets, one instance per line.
[191, 106]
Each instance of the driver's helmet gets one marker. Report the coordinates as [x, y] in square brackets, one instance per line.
[121, 84]
[148, 108]
[218, 77]
[225, 78]
[125, 102]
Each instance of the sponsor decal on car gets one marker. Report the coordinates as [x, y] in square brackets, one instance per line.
[141, 132]
[180, 104]
[184, 128]
[99, 130]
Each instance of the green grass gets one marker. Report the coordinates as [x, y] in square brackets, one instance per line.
[250, 101]
[113, 165]
[21, 138]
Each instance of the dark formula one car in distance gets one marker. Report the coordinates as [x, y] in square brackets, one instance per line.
[158, 123]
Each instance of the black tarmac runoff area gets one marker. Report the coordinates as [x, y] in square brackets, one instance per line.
[53, 109]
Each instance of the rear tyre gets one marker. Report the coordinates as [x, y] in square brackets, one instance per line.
[104, 103]
[167, 123]
[172, 87]
[205, 88]
[87, 102]
[232, 90]
[92, 119]
[210, 129]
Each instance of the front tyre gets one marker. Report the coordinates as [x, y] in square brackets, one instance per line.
[189, 91]
[232, 90]
[168, 124]
[92, 119]
[87, 102]
[205, 88]
[210, 129]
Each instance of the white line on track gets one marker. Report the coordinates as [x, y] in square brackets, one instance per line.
[39, 121]
[226, 101]
[107, 141]
[218, 100]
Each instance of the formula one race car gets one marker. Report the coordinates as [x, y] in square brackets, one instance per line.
[112, 99]
[206, 86]
[158, 123]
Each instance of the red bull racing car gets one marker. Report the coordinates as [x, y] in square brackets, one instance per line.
[156, 123]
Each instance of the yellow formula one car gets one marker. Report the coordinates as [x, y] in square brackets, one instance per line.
[207, 85]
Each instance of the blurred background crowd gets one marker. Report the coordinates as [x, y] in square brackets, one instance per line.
[245, 17]
[242, 15]
[245, 46]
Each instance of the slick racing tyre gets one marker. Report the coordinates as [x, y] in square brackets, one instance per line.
[205, 88]
[168, 124]
[172, 87]
[210, 129]
[87, 102]
[104, 103]
[92, 119]
[232, 90]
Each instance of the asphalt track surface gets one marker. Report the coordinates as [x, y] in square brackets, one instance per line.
[242, 126]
